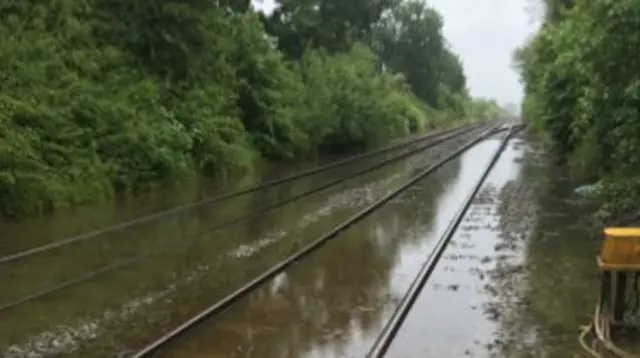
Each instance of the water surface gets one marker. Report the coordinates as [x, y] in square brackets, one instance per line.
[188, 268]
[333, 304]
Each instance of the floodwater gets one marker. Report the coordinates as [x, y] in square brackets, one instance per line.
[189, 265]
[334, 303]
[518, 280]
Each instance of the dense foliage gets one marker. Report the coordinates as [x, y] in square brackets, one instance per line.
[582, 78]
[99, 97]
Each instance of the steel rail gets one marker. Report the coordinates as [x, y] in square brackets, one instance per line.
[131, 260]
[216, 199]
[284, 264]
[389, 332]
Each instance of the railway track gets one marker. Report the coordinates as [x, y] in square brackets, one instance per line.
[397, 153]
[379, 349]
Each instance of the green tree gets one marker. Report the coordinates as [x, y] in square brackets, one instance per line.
[333, 25]
[101, 97]
[409, 40]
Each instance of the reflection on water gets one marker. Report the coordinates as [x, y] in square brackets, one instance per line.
[520, 279]
[30, 232]
[449, 317]
[174, 284]
[334, 302]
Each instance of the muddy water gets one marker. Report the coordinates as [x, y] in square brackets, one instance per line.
[519, 279]
[27, 275]
[118, 311]
[333, 304]
[27, 233]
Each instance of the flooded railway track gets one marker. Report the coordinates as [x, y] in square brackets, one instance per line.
[163, 345]
[499, 290]
[44, 252]
[390, 330]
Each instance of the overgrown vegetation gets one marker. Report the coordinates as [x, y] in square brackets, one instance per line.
[582, 78]
[99, 97]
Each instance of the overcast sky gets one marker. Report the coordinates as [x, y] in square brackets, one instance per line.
[484, 33]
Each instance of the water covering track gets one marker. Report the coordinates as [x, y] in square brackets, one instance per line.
[249, 287]
[389, 332]
[223, 197]
[128, 261]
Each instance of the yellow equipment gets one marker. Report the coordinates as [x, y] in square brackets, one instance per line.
[620, 249]
[619, 261]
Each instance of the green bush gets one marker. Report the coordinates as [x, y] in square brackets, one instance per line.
[99, 97]
[582, 84]
[347, 104]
